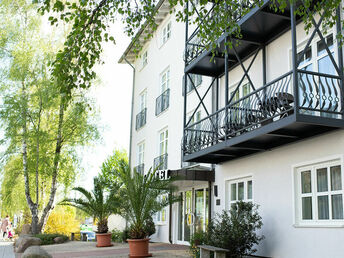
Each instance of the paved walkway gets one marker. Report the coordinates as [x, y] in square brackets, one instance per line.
[6, 249]
[89, 250]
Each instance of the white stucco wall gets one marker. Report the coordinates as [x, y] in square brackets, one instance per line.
[273, 190]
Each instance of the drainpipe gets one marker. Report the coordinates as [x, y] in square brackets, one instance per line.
[132, 109]
[131, 123]
[170, 221]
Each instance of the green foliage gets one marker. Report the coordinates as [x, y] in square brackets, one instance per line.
[110, 165]
[42, 130]
[236, 230]
[48, 239]
[98, 203]
[90, 25]
[140, 198]
[198, 238]
[149, 226]
[119, 236]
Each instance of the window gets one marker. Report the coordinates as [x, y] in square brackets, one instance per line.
[196, 118]
[166, 33]
[163, 142]
[142, 101]
[316, 59]
[144, 59]
[161, 216]
[141, 153]
[319, 194]
[241, 92]
[164, 80]
[196, 79]
[239, 190]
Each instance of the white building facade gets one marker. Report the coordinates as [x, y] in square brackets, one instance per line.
[272, 137]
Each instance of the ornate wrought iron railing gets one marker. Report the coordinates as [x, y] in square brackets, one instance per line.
[195, 47]
[141, 118]
[162, 102]
[161, 162]
[140, 168]
[319, 95]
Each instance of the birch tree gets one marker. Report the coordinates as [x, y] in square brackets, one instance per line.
[41, 123]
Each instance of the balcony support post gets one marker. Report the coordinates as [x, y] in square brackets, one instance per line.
[294, 59]
[226, 86]
[217, 109]
[185, 75]
[264, 68]
[340, 59]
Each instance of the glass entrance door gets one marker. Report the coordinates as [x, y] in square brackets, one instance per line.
[192, 213]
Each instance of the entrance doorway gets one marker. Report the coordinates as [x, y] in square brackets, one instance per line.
[193, 210]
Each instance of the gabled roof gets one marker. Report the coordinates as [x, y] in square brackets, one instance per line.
[162, 9]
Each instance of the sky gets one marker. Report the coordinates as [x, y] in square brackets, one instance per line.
[113, 98]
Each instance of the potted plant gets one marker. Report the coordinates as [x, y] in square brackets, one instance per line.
[140, 202]
[99, 204]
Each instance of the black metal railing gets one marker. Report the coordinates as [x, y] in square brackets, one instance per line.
[160, 162]
[319, 95]
[140, 168]
[162, 102]
[195, 46]
[141, 118]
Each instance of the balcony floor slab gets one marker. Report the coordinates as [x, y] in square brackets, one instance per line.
[277, 133]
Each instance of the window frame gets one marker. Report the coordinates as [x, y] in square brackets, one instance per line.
[141, 153]
[297, 193]
[236, 180]
[315, 58]
[142, 100]
[167, 81]
[164, 142]
[144, 58]
[166, 32]
[158, 217]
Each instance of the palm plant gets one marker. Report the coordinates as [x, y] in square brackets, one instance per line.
[140, 198]
[98, 203]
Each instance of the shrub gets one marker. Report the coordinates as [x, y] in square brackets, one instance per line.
[198, 238]
[48, 239]
[235, 230]
[118, 236]
[149, 227]
[62, 220]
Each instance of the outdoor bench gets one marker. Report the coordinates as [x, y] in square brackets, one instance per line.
[205, 251]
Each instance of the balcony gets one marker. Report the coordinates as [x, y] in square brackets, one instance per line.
[141, 119]
[271, 116]
[162, 102]
[140, 169]
[259, 27]
[160, 163]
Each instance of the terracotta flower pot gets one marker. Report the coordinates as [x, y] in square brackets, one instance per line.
[103, 240]
[139, 248]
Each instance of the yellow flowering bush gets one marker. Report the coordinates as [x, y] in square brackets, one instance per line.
[62, 220]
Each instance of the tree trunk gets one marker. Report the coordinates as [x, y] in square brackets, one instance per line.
[33, 206]
[53, 189]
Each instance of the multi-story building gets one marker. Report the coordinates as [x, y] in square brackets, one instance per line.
[260, 122]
